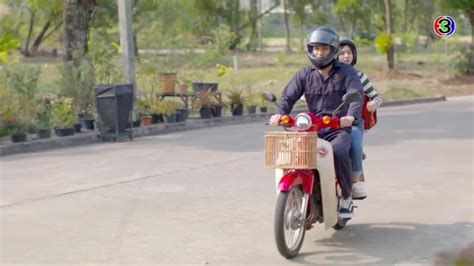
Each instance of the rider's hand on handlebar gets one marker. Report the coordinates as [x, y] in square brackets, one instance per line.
[274, 120]
[347, 121]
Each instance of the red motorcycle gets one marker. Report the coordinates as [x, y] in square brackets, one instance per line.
[307, 187]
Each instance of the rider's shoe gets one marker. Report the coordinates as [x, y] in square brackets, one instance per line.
[358, 191]
[346, 209]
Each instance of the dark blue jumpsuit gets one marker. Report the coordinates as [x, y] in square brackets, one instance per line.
[323, 96]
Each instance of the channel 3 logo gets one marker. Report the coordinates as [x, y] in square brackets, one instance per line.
[444, 26]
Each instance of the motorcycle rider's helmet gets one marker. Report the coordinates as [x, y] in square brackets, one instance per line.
[350, 43]
[322, 35]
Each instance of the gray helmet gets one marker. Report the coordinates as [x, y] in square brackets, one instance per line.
[351, 44]
[322, 35]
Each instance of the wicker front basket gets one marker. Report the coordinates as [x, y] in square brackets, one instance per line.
[290, 150]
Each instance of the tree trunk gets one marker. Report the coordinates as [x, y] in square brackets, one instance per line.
[76, 22]
[51, 32]
[389, 29]
[471, 60]
[135, 46]
[39, 37]
[287, 27]
[405, 17]
[343, 24]
[302, 38]
[253, 14]
[26, 47]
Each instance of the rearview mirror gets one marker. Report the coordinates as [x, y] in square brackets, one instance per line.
[350, 97]
[269, 96]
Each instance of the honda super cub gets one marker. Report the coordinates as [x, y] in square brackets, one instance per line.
[307, 186]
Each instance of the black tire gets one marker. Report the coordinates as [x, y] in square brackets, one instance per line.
[282, 211]
[341, 223]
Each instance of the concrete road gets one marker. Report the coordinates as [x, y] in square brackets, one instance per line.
[203, 197]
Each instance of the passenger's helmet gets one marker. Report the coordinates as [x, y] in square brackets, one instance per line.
[322, 35]
[350, 43]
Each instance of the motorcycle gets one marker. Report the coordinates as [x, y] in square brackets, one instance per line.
[307, 187]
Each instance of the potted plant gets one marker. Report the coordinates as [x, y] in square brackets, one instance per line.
[237, 99]
[88, 117]
[217, 109]
[169, 109]
[142, 112]
[262, 103]
[17, 121]
[252, 101]
[184, 81]
[62, 116]
[43, 119]
[4, 126]
[168, 82]
[155, 110]
[77, 83]
[204, 101]
[18, 129]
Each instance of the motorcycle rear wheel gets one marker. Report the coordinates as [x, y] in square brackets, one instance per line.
[289, 226]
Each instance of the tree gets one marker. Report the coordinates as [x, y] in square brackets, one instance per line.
[52, 23]
[352, 13]
[389, 30]
[287, 27]
[467, 7]
[253, 19]
[76, 15]
[298, 8]
[41, 17]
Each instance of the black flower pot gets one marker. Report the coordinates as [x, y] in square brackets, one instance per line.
[18, 137]
[182, 115]
[170, 118]
[237, 110]
[197, 86]
[63, 132]
[205, 112]
[136, 123]
[157, 119]
[77, 127]
[252, 109]
[88, 124]
[217, 111]
[263, 109]
[43, 133]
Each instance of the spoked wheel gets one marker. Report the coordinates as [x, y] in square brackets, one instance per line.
[341, 223]
[289, 223]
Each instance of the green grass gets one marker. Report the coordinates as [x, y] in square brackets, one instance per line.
[397, 92]
[272, 71]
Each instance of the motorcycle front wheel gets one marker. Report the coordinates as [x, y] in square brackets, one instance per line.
[341, 223]
[289, 223]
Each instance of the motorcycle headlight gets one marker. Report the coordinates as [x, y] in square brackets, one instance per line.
[303, 121]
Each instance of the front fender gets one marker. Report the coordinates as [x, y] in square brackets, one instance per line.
[293, 178]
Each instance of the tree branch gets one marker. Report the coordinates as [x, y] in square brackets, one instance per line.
[258, 17]
[53, 30]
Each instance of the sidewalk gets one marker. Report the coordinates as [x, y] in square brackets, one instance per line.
[190, 124]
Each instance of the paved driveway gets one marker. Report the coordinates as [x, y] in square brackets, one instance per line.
[203, 197]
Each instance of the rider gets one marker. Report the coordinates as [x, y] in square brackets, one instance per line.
[348, 55]
[323, 85]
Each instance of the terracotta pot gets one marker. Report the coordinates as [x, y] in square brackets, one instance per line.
[146, 120]
[168, 82]
[183, 88]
